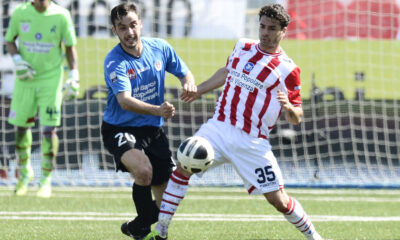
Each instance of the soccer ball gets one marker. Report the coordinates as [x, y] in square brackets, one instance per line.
[195, 154]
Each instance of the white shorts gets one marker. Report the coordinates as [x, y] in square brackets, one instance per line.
[251, 157]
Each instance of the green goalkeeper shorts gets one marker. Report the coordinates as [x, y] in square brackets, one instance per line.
[27, 99]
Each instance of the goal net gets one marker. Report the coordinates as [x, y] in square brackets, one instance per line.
[349, 54]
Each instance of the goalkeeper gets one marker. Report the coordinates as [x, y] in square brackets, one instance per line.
[40, 27]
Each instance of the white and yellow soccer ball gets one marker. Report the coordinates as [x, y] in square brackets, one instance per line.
[195, 154]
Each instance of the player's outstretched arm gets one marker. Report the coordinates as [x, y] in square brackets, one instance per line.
[215, 81]
[189, 87]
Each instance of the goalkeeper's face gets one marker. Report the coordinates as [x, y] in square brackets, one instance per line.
[128, 29]
[41, 5]
[270, 33]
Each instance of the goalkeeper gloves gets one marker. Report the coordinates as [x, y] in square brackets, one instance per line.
[71, 85]
[23, 69]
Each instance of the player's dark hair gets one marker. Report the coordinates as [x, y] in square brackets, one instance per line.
[277, 12]
[122, 10]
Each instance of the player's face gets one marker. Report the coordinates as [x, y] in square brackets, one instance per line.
[270, 34]
[41, 5]
[128, 30]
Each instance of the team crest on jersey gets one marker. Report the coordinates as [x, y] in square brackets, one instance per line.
[25, 27]
[131, 74]
[249, 66]
[113, 77]
[38, 36]
[158, 65]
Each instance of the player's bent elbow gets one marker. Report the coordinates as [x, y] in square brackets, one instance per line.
[124, 105]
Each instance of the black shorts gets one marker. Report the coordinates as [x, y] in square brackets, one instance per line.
[152, 140]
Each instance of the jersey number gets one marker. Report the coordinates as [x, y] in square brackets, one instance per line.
[124, 138]
[265, 174]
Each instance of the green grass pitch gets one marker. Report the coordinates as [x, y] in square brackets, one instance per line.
[205, 214]
[333, 63]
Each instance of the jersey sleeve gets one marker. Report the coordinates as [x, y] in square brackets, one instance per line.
[116, 76]
[13, 27]
[69, 36]
[293, 86]
[231, 57]
[243, 44]
[174, 64]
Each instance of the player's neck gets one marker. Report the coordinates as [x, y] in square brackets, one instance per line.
[40, 8]
[136, 51]
[271, 50]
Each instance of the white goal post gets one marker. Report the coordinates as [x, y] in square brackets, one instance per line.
[349, 54]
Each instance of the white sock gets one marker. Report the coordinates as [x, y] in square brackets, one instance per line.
[173, 195]
[298, 217]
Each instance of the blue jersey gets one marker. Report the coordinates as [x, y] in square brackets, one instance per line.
[144, 77]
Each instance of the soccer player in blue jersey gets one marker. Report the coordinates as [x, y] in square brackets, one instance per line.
[134, 72]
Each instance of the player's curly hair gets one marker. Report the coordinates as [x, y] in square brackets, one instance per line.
[122, 10]
[277, 12]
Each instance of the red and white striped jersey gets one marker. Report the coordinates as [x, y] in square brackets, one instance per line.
[248, 100]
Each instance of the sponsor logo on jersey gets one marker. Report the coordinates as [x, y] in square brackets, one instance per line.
[53, 29]
[287, 60]
[25, 27]
[38, 36]
[109, 63]
[242, 53]
[249, 66]
[143, 69]
[113, 77]
[297, 87]
[12, 114]
[131, 74]
[158, 65]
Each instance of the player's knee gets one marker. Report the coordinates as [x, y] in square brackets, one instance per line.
[143, 175]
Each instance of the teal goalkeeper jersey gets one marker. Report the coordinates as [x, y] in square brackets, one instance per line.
[40, 36]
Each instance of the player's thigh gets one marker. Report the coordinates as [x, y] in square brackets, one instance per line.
[117, 141]
[50, 100]
[256, 164]
[23, 106]
[214, 132]
[136, 162]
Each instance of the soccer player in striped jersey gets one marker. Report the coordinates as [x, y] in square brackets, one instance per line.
[260, 82]
[134, 72]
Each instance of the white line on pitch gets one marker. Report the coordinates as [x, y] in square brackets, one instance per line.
[219, 197]
[229, 190]
[90, 216]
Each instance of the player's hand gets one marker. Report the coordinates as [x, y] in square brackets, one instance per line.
[167, 110]
[189, 92]
[71, 85]
[23, 69]
[283, 100]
